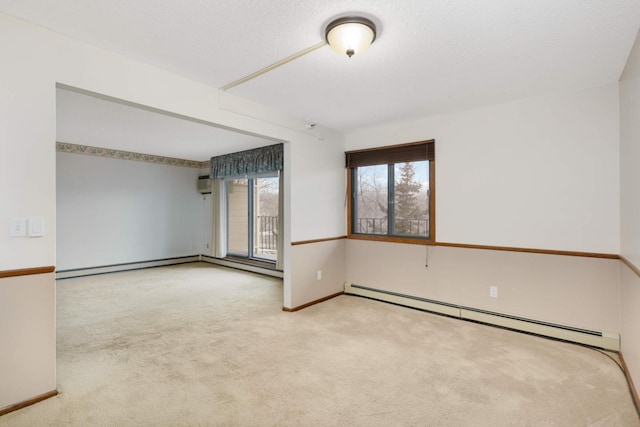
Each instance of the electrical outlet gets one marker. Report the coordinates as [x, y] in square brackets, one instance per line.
[319, 275]
[493, 291]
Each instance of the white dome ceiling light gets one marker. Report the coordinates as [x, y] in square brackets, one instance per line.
[350, 35]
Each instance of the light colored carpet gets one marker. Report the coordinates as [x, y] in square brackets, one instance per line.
[203, 345]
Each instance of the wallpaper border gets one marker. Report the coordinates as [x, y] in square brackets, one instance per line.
[65, 147]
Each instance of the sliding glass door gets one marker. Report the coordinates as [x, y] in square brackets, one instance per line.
[237, 217]
[252, 217]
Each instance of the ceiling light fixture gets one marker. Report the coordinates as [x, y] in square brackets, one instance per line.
[347, 36]
[350, 35]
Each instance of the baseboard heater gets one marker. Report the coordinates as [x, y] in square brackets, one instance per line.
[604, 340]
[243, 266]
[128, 266]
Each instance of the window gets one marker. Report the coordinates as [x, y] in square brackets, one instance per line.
[392, 193]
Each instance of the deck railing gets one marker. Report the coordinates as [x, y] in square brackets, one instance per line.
[267, 233]
[410, 226]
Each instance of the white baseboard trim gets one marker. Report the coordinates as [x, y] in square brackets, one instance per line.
[605, 340]
[115, 268]
[242, 266]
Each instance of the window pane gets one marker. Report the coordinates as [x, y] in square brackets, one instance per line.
[411, 199]
[238, 218]
[370, 214]
[265, 227]
[391, 195]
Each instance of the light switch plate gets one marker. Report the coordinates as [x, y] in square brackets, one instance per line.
[36, 226]
[18, 227]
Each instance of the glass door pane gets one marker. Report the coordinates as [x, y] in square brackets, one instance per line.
[265, 217]
[238, 217]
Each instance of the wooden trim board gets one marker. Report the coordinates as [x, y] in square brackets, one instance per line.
[27, 271]
[29, 402]
[632, 387]
[530, 250]
[307, 242]
[631, 265]
[492, 248]
[309, 304]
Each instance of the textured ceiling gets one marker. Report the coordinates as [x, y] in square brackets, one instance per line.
[88, 120]
[430, 57]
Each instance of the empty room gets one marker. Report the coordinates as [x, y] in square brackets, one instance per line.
[320, 213]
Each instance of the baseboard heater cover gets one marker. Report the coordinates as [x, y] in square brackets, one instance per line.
[605, 340]
[115, 268]
[243, 266]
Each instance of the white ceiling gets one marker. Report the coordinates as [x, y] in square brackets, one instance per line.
[89, 120]
[430, 57]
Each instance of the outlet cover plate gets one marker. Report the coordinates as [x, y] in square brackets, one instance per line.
[18, 227]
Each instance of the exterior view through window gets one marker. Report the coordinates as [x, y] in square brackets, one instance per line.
[252, 218]
[392, 199]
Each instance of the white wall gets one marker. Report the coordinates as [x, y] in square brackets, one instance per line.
[27, 185]
[27, 129]
[34, 60]
[27, 334]
[318, 172]
[567, 290]
[113, 211]
[206, 242]
[630, 209]
[537, 173]
[328, 258]
[630, 157]
[316, 179]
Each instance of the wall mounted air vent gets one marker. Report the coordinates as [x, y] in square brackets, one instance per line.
[204, 184]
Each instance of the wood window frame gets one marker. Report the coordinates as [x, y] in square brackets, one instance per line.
[373, 154]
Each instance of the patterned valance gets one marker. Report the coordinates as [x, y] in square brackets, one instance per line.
[259, 160]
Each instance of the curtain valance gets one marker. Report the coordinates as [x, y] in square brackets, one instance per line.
[259, 160]
[412, 152]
